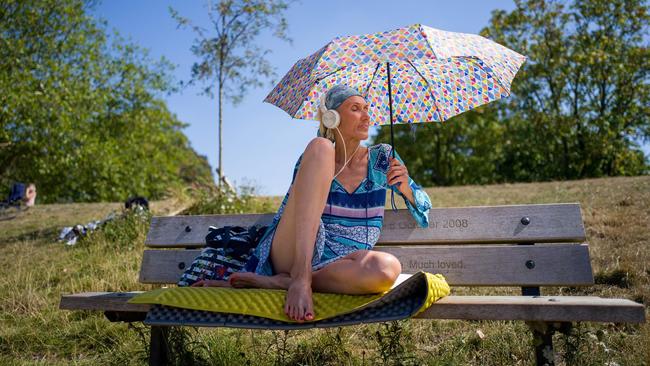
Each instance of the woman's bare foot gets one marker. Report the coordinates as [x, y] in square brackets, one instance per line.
[249, 279]
[299, 304]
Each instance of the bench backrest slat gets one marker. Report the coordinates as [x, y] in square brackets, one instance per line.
[548, 223]
[485, 265]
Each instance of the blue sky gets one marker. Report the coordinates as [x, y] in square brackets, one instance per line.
[261, 143]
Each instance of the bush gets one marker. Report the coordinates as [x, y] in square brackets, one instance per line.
[125, 231]
[220, 200]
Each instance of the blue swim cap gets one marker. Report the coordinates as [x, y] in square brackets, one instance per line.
[338, 94]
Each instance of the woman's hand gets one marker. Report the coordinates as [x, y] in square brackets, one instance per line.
[398, 176]
[207, 283]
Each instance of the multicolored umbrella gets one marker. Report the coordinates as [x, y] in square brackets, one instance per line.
[408, 75]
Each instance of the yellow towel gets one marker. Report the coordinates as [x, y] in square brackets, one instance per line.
[270, 303]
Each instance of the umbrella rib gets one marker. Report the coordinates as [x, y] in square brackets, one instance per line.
[435, 101]
[329, 74]
[494, 75]
[424, 35]
[372, 79]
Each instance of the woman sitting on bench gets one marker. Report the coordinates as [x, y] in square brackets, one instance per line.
[322, 235]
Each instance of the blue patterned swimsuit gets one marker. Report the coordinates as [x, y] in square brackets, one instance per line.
[350, 221]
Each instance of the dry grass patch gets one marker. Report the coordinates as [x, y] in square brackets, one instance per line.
[35, 270]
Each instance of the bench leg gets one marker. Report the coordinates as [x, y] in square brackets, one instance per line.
[158, 348]
[543, 340]
[121, 316]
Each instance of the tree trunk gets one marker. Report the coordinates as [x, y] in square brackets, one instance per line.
[220, 125]
[222, 44]
[566, 159]
[582, 147]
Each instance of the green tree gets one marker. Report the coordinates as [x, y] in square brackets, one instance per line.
[464, 150]
[579, 105]
[83, 118]
[230, 60]
[581, 102]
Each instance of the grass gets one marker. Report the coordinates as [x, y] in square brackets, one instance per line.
[35, 270]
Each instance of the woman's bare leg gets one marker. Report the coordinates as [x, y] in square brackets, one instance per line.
[293, 244]
[372, 272]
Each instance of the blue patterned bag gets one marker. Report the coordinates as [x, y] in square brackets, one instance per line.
[227, 251]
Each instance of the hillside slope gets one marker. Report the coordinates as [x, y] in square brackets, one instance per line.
[35, 270]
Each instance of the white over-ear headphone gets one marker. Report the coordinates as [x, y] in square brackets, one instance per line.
[330, 117]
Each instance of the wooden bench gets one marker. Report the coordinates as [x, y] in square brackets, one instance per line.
[525, 246]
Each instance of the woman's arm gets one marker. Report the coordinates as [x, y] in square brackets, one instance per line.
[417, 200]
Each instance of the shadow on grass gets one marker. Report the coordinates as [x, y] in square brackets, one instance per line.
[42, 236]
[8, 213]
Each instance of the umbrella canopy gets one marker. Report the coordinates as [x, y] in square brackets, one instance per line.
[408, 75]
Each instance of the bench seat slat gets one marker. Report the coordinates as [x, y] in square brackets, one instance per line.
[104, 301]
[537, 308]
[542, 308]
[499, 224]
[494, 265]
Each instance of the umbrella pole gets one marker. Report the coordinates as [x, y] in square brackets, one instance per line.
[390, 109]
